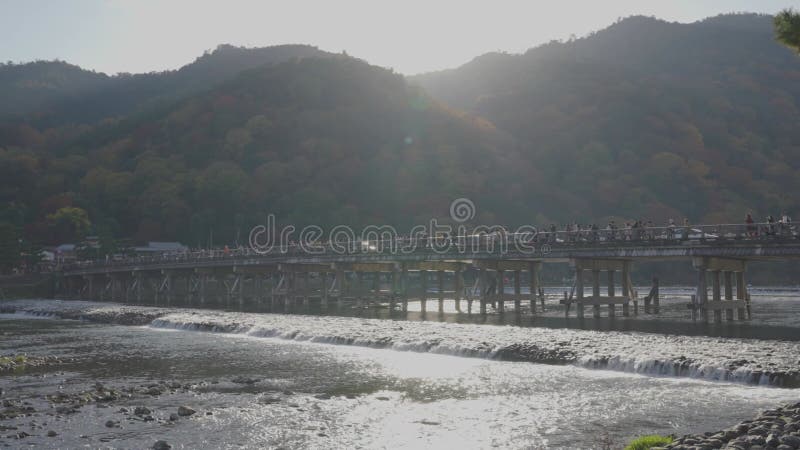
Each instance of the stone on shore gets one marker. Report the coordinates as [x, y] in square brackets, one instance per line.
[161, 445]
[185, 411]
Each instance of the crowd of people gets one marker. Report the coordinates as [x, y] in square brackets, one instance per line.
[638, 230]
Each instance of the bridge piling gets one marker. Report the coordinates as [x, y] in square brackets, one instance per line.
[533, 269]
[728, 283]
[596, 294]
[612, 294]
[741, 294]
[715, 293]
[483, 290]
[458, 288]
[404, 287]
[579, 292]
[423, 275]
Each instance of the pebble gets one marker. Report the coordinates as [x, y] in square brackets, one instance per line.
[161, 445]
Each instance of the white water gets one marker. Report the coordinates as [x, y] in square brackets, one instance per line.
[749, 361]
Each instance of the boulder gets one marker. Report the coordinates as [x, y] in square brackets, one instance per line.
[161, 445]
[185, 411]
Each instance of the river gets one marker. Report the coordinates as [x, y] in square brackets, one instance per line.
[306, 381]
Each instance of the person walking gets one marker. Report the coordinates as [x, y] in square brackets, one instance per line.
[751, 228]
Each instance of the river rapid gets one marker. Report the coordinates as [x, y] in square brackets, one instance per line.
[275, 380]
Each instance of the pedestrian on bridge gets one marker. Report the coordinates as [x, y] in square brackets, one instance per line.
[751, 228]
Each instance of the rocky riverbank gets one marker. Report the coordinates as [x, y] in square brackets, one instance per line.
[18, 362]
[23, 418]
[774, 429]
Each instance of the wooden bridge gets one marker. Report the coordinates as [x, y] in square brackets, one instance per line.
[465, 269]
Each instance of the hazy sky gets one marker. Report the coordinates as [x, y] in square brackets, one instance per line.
[410, 36]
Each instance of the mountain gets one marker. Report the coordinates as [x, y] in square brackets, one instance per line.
[648, 118]
[642, 120]
[49, 93]
[321, 141]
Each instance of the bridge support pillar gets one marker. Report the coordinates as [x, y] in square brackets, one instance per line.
[742, 296]
[440, 282]
[324, 295]
[724, 267]
[517, 291]
[341, 280]
[579, 292]
[728, 284]
[716, 295]
[394, 290]
[627, 288]
[458, 282]
[306, 290]
[89, 287]
[595, 266]
[423, 277]
[702, 293]
[483, 289]
[404, 288]
[534, 269]
[596, 294]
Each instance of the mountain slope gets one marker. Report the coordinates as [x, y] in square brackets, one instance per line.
[322, 141]
[648, 118]
[53, 93]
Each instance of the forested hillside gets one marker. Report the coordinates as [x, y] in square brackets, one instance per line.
[645, 119]
[317, 140]
[49, 93]
[648, 118]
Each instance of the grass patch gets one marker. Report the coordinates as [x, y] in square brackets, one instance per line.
[645, 442]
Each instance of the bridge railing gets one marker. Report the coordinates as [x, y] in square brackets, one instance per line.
[498, 241]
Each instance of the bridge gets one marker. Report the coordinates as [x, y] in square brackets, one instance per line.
[466, 269]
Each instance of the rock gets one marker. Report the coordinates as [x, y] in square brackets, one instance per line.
[185, 411]
[323, 396]
[141, 411]
[149, 418]
[792, 441]
[245, 380]
[154, 391]
[784, 447]
[110, 424]
[161, 445]
[173, 417]
[772, 440]
[63, 409]
[52, 433]
[383, 398]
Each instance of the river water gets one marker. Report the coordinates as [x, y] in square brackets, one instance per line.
[304, 381]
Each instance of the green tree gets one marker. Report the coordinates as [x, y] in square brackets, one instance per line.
[69, 223]
[9, 247]
[787, 28]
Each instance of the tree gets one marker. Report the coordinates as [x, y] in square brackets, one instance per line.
[9, 247]
[69, 223]
[787, 28]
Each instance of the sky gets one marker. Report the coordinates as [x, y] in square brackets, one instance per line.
[409, 36]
